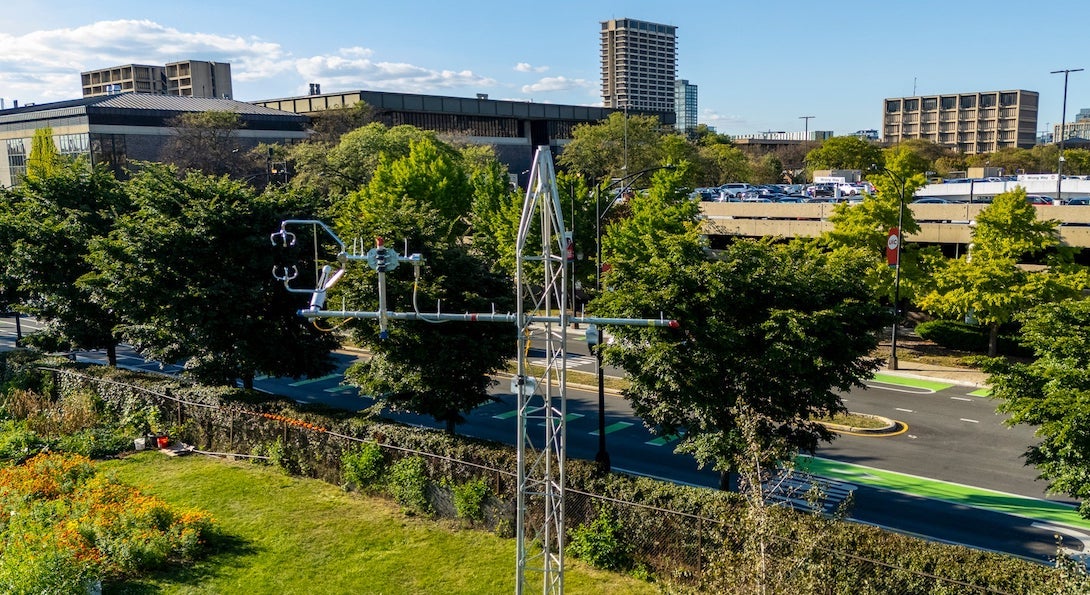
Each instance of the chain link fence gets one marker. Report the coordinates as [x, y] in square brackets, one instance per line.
[691, 551]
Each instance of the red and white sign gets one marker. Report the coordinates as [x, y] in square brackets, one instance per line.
[893, 243]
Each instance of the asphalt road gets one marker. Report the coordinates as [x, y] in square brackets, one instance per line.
[951, 436]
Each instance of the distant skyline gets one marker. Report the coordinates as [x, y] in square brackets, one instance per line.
[759, 65]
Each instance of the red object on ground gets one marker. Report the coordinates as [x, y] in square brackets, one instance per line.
[162, 441]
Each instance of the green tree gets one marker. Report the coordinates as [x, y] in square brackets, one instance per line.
[767, 332]
[44, 159]
[1076, 162]
[49, 224]
[613, 147]
[724, 163]
[440, 370]
[989, 284]
[767, 169]
[189, 274]
[208, 142]
[1052, 393]
[844, 152]
[337, 169]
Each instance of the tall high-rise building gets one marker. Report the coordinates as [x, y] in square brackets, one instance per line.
[639, 65]
[685, 105]
[981, 122]
[190, 78]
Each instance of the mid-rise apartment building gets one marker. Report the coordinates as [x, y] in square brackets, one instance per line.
[981, 122]
[685, 106]
[189, 78]
[1079, 129]
[639, 65]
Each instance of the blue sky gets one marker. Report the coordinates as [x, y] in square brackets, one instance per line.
[759, 65]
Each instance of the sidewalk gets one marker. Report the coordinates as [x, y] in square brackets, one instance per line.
[961, 376]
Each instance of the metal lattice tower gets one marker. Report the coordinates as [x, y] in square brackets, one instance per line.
[542, 282]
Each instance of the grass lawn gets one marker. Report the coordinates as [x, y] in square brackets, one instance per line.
[287, 535]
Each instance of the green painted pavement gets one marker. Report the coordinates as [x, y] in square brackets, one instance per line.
[662, 440]
[313, 380]
[344, 388]
[614, 427]
[913, 382]
[983, 392]
[1031, 508]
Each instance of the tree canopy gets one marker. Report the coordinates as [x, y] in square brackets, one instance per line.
[988, 283]
[48, 224]
[421, 199]
[1052, 392]
[207, 142]
[188, 273]
[844, 152]
[614, 147]
[768, 333]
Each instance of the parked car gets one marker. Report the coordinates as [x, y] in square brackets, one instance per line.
[1081, 201]
[1037, 199]
[931, 200]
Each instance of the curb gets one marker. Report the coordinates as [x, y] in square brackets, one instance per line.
[890, 427]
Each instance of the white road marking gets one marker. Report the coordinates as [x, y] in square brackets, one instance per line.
[895, 388]
[972, 421]
[961, 399]
[905, 410]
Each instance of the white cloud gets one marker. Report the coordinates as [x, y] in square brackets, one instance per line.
[45, 65]
[556, 83]
[353, 68]
[712, 117]
[527, 67]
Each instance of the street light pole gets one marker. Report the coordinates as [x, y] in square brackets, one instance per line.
[602, 457]
[897, 271]
[1063, 133]
[806, 127]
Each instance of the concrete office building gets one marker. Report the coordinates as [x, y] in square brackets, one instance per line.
[513, 128]
[189, 78]
[117, 129]
[685, 106]
[971, 123]
[639, 65]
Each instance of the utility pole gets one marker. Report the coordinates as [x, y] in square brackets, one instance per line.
[1063, 133]
[806, 126]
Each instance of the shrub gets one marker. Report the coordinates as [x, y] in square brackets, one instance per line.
[18, 442]
[408, 484]
[469, 499]
[969, 337]
[602, 542]
[363, 467]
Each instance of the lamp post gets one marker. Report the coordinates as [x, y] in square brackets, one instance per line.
[898, 238]
[1063, 133]
[806, 127]
[594, 336]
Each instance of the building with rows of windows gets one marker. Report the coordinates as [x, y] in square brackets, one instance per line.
[190, 78]
[639, 65]
[971, 123]
[114, 130]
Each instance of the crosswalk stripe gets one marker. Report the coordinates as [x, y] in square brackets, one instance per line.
[662, 440]
[614, 427]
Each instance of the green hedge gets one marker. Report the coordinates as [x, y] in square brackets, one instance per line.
[687, 536]
[970, 337]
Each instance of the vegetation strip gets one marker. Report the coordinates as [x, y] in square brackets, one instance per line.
[1033, 508]
[913, 382]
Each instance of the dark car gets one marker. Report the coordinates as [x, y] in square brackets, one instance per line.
[1081, 201]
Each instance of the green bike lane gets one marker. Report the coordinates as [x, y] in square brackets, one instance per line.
[1036, 509]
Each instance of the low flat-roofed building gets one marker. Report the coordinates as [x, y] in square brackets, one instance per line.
[117, 129]
[513, 128]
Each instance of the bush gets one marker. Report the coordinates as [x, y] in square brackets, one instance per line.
[969, 337]
[68, 525]
[602, 543]
[18, 442]
[408, 484]
[362, 467]
[469, 499]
